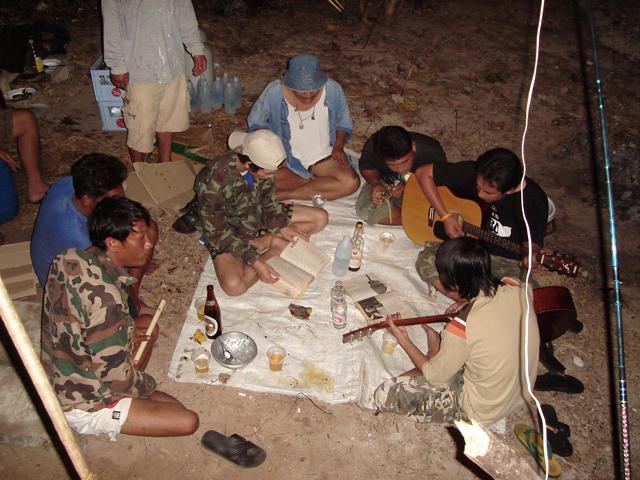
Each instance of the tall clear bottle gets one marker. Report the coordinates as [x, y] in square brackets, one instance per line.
[237, 92]
[229, 97]
[217, 94]
[193, 97]
[204, 95]
[338, 305]
[213, 329]
[357, 247]
[341, 257]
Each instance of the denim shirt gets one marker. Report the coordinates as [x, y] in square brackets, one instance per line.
[270, 112]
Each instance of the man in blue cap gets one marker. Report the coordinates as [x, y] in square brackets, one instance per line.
[309, 112]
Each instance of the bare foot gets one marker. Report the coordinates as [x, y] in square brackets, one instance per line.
[37, 192]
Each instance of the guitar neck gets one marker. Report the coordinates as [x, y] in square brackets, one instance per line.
[368, 330]
[493, 239]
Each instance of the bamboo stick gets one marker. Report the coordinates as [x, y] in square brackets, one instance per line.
[40, 380]
[150, 328]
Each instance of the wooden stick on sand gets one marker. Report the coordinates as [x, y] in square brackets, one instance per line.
[150, 328]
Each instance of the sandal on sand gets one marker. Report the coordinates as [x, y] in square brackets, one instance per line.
[558, 382]
[531, 439]
[234, 448]
[558, 433]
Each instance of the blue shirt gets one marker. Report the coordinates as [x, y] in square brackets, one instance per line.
[270, 112]
[8, 194]
[59, 226]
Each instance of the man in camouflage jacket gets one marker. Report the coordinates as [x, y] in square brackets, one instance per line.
[89, 336]
[242, 220]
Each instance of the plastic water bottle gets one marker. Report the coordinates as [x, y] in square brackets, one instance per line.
[338, 305]
[193, 98]
[217, 94]
[237, 92]
[204, 95]
[342, 257]
[229, 98]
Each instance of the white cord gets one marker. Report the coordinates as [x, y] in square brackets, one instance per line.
[530, 252]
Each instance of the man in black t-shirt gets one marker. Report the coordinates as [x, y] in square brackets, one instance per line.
[388, 158]
[492, 180]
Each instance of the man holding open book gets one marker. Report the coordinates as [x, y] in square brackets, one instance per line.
[242, 219]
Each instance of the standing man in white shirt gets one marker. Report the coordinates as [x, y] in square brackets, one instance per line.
[143, 47]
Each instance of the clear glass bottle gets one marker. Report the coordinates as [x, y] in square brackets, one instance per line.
[338, 305]
[357, 247]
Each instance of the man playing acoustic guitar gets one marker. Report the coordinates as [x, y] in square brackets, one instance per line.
[475, 368]
[493, 181]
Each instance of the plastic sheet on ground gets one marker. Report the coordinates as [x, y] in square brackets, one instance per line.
[317, 363]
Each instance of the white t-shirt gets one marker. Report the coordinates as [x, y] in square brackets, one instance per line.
[312, 142]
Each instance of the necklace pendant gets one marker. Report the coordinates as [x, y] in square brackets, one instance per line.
[301, 126]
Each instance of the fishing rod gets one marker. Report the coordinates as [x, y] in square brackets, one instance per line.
[623, 413]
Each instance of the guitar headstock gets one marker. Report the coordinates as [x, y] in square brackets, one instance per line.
[562, 264]
[357, 335]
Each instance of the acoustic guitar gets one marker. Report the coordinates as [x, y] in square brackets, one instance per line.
[422, 224]
[553, 306]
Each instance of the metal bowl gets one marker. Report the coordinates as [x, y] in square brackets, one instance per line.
[242, 347]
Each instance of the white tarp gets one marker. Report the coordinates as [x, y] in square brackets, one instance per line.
[317, 362]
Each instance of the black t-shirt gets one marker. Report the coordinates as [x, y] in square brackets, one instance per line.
[428, 150]
[504, 217]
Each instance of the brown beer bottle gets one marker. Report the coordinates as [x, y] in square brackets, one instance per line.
[212, 310]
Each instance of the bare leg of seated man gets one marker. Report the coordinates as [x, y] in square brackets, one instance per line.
[236, 277]
[330, 180]
[25, 131]
[159, 415]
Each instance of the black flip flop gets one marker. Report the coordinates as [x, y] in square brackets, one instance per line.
[234, 448]
[558, 433]
[558, 383]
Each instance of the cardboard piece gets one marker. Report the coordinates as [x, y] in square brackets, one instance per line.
[168, 186]
[16, 270]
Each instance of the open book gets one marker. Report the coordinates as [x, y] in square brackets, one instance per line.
[297, 265]
[375, 300]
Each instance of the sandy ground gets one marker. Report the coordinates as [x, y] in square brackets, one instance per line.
[463, 69]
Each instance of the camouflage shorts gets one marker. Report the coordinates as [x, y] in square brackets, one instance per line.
[414, 396]
[500, 266]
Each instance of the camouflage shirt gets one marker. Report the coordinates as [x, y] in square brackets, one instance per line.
[231, 213]
[87, 332]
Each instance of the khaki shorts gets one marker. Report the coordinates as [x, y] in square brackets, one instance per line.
[108, 420]
[152, 108]
[6, 129]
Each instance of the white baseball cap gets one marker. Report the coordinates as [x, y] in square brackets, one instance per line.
[263, 147]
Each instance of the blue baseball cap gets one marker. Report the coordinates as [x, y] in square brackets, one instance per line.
[303, 74]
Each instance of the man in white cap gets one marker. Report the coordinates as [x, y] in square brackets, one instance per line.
[242, 220]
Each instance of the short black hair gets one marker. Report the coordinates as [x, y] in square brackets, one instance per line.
[114, 217]
[252, 166]
[464, 266]
[95, 174]
[392, 142]
[500, 167]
